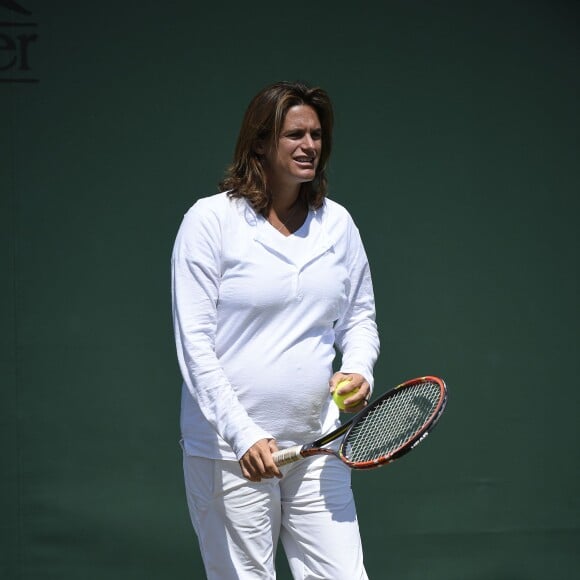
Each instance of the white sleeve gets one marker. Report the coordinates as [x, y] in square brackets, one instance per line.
[356, 334]
[195, 268]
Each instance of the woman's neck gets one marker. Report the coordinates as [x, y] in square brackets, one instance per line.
[288, 212]
[284, 199]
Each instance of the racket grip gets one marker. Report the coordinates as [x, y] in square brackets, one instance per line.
[286, 456]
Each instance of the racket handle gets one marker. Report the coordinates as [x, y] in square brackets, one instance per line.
[287, 455]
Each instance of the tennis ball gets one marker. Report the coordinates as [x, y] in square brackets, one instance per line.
[339, 399]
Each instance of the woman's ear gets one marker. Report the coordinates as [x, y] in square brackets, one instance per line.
[260, 147]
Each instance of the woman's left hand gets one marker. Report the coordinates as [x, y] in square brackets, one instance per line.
[360, 399]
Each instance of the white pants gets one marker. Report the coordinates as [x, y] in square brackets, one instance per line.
[238, 523]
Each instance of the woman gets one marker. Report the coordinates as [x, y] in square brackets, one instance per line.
[269, 276]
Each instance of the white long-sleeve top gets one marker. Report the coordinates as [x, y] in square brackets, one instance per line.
[257, 316]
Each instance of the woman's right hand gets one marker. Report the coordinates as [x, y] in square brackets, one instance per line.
[257, 462]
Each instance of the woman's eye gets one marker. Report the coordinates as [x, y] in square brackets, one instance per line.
[315, 135]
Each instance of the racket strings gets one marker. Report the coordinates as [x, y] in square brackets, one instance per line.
[391, 423]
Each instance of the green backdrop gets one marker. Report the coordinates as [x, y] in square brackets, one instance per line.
[457, 148]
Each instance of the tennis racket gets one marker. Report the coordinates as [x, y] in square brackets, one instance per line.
[385, 430]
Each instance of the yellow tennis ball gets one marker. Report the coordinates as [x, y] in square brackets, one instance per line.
[339, 399]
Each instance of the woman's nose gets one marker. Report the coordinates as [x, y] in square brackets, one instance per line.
[308, 141]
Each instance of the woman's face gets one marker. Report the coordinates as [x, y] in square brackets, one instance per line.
[294, 159]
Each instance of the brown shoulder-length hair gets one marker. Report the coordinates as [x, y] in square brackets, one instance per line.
[263, 120]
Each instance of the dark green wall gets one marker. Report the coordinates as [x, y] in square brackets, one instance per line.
[456, 151]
